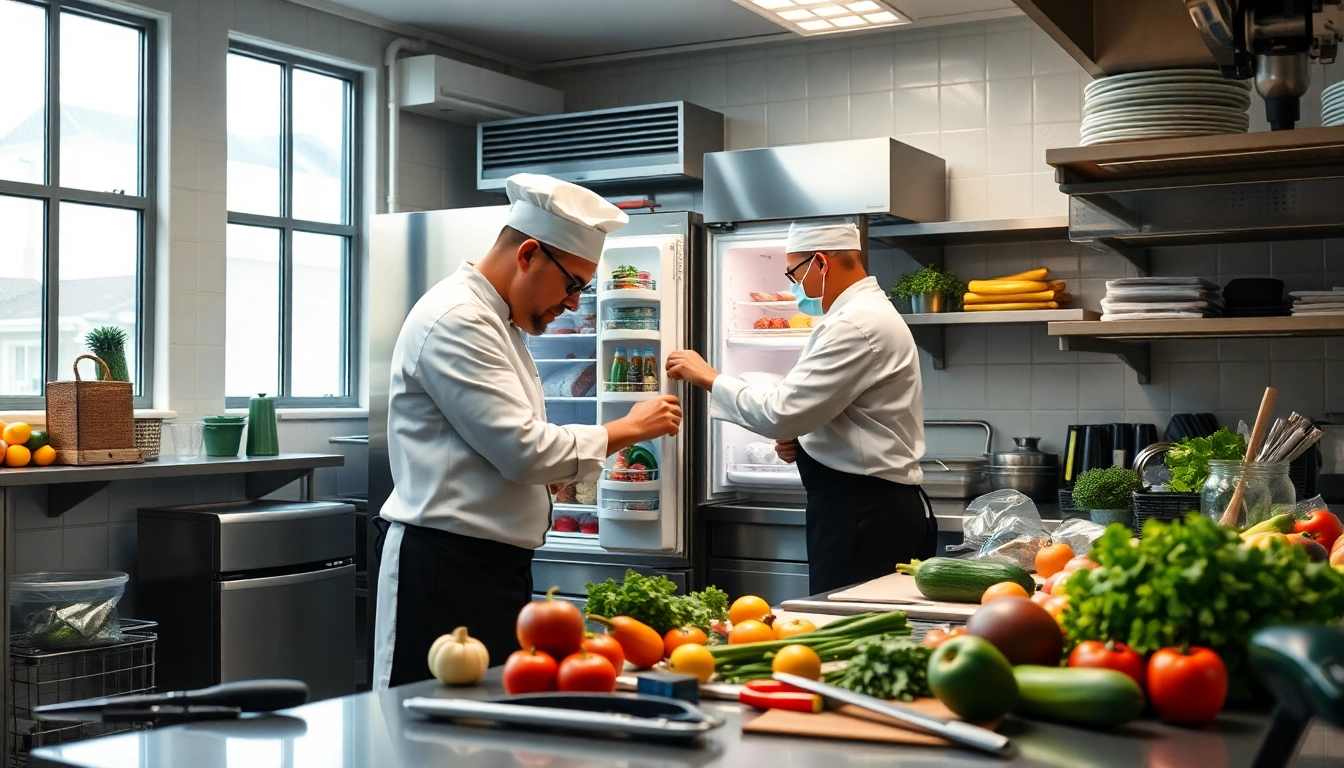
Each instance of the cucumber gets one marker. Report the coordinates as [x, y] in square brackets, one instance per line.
[963, 581]
[1077, 695]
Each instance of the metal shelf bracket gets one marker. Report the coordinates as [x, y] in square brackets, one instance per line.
[1139, 257]
[931, 339]
[1136, 355]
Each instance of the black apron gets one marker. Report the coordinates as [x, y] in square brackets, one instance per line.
[446, 581]
[860, 527]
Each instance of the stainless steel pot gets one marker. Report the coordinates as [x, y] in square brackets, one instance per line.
[1026, 469]
[957, 477]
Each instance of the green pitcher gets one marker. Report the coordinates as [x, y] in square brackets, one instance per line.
[263, 438]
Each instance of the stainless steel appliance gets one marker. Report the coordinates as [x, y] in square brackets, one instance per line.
[1026, 469]
[646, 525]
[252, 589]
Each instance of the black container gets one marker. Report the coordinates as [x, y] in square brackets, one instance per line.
[1122, 445]
[1096, 441]
[1163, 506]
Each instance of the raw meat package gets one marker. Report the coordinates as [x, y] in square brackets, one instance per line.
[578, 380]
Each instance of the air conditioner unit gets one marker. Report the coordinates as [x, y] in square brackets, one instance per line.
[450, 90]
[650, 142]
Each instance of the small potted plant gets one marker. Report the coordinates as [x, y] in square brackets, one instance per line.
[930, 290]
[109, 344]
[1107, 495]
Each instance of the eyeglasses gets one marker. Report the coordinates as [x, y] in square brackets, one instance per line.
[789, 272]
[575, 286]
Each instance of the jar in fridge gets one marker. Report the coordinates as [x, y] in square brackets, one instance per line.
[1269, 490]
[631, 319]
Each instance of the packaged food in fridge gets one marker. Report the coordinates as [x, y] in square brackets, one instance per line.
[650, 370]
[620, 366]
[566, 323]
[565, 524]
[800, 321]
[631, 318]
[577, 380]
[761, 453]
[588, 524]
[585, 493]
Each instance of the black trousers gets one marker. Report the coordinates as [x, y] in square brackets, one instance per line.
[859, 527]
[446, 581]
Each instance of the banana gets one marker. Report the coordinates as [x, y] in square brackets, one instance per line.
[1007, 287]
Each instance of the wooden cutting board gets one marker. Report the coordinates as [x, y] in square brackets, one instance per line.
[898, 591]
[852, 723]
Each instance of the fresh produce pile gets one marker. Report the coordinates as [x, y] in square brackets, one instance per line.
[1032, 289]
[887, 666]
[21, 445]
[655, 602]
[841, 639]
[1196, 583]
[1189, 459]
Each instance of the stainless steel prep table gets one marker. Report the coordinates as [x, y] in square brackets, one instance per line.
[372, 730]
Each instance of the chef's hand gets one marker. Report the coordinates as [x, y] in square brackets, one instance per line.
[687, 365]
[648, 419]
[787, 450]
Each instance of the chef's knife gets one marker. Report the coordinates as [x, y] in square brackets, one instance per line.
[955, 731]
[218, 700]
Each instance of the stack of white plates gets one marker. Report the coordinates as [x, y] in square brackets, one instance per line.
[1163, 104]
[1332, 105]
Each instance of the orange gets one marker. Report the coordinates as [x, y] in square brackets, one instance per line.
[748, 607]
[797, 660]
[786, 629]
[679, 636]
[1003, 589]
[44, 456]
[750, 631]
[17, 456]
[1052, 559]
[16, 433]
[692, 659]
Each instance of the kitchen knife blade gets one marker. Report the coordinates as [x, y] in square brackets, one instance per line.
[245, 696]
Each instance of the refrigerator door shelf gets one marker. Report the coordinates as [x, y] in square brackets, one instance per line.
[628, 397]
[784, 341]
[784, 307]
[623, 334]
[631, 296]
[625, 486]
[764, 474]
[624, 513]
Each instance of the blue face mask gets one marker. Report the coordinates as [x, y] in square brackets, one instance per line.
[806, 304]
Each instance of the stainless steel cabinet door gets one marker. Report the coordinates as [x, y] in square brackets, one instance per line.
[299, 626]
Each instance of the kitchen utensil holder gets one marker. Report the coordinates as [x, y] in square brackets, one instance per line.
[148, 437]
[92, 422]
[1163, 506]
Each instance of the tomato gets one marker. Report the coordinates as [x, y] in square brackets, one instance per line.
[1322, 525]
[529, 672]
[1052, 559]
[608, 646]
[1187, 687]
[585, 671]
[786, 629]
[551, 625]
[692, 659]
[1053, 583]
[1003, 589]
[1307, 541]
[748, 607]
[936, 637]
[1109, 655]
[797, 660]
[1082, 561]
[750, 631]
[675, 638]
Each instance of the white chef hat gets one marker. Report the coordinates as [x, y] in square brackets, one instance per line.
[562, 215]
[822, 235]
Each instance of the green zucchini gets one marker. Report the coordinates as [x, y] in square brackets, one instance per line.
[1077, 695]
[963, 581]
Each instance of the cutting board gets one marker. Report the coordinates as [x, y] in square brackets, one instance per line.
[897, 591]
[852, 723]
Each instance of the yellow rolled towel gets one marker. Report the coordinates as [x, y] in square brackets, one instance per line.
[991, 298]
[1031, 274]
[1012, 305]
[1006, 287]
[1057, 285]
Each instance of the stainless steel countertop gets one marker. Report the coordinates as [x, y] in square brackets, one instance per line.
[372, 730]
[168, 466]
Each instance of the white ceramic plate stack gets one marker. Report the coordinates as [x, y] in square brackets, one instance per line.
[1163, 104]
[1332, 105]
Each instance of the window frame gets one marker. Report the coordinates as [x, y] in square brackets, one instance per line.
[52, 195]
[288, 225]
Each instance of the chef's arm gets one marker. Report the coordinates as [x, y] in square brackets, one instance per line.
[837, 369]
[469, 377]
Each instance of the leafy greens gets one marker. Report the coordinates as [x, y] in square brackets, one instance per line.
[654, 601]
[1189, 459]
[891, 667]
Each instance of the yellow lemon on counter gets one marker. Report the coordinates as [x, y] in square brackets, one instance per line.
[748, 607]
[16, 433]
[17, 456]
[44, 456]
[692, 659]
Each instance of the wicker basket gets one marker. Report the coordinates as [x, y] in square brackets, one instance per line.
[148, 433]
[92, 422]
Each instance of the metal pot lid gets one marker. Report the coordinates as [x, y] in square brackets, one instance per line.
[1026, 454]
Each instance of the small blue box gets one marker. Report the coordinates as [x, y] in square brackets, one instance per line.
[669, 686]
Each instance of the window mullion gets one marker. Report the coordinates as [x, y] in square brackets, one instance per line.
[287, 243]
[51, 264]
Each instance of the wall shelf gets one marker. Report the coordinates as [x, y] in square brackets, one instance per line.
[925, 242]
[927, 328]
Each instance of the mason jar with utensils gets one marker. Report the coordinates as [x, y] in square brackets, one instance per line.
[1026, 469]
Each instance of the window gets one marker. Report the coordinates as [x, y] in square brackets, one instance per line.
[77, 210]
[293, 193]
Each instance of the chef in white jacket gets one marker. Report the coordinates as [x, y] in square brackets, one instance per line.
[850, 413]
[471, 451]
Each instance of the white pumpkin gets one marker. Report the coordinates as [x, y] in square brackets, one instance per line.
[458, 659]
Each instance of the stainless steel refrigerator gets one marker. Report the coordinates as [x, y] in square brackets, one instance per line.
[643, 299]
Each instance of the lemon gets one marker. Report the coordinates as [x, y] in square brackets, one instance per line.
[17, 456]
[16, 433]
[44, 456]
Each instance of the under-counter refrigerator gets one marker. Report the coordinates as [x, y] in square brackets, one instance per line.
[643, 304]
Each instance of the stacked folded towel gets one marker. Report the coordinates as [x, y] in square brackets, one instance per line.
[1026, 290]
[1316, 303]
[1151, 298]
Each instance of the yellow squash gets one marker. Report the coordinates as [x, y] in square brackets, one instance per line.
[1007, 287]
[1012, 305]
[990, 298]
[1031, 274]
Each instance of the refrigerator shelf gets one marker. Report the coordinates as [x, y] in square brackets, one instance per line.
[785, 341]
[562, 360]
[575, 336]
[625, 333]
[626, 486]
[630, 284]
[786, 307]
[574, 509]
[626, 476]
[570, 399]
[764, 474]
[631, 295]
[628, 397]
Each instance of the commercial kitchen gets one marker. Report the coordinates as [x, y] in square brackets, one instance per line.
[1109, 230]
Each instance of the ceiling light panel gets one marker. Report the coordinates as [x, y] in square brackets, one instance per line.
[820, 17]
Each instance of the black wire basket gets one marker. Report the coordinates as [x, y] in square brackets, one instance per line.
[1165, 506]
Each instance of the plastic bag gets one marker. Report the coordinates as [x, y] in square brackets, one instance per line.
[570, 381]
[990, 514]
[77, 625]
[1078, 533]
[1307, 505]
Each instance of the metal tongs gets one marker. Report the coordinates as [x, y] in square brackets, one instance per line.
[219, 702]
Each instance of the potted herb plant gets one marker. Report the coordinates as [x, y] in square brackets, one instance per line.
[1107, 494]
[930, 290]
[109, 344]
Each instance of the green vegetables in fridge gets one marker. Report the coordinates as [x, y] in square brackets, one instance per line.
[654, 601]
[837, 640]
[1107, 488]
[1195, 583]
[888, 667]
[1189, 459]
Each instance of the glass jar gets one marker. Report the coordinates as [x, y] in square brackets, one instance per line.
[1268, 489]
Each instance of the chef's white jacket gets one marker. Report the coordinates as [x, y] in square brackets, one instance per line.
[470, 447]
[854, 400]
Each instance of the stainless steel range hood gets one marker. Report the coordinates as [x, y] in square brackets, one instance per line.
[1107, 37]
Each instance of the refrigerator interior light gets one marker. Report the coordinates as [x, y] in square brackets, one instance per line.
[801, 16]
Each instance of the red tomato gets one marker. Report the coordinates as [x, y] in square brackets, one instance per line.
[551, 625]
[1111, 655]
[585, 671]
[1081, 561]
[529, 672]
[937, 637]
[607, 646]
[679, 636]
[1187, 688]
[1323, 526]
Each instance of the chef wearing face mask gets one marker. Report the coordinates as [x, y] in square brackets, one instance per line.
[471, 451]
[850, 413]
